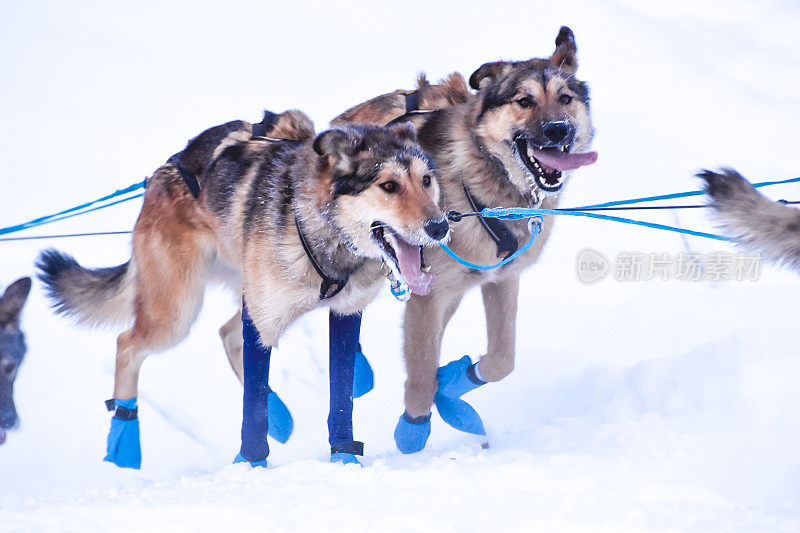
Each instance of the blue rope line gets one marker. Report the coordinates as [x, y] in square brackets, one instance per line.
[677, 195]
[535, 227]
[520, 213]
[78, 210]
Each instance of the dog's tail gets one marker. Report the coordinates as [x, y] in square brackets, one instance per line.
[94, 297]
[754, 221]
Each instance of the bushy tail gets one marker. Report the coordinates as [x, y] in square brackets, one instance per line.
[753, 220]
[95, 297]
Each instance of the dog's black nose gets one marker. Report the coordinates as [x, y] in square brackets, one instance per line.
[437, 229]
[557, 132]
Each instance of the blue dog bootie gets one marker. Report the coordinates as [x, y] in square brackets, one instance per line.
[411, 434]
[240, 459]
[280, 422]
[363, 376]
[456, 379]
[123, 448]
[346, 453]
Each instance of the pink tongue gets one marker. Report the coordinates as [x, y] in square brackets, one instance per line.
[408, 257]
[558, 160]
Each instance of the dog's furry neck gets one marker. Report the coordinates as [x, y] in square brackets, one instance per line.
[331, 248]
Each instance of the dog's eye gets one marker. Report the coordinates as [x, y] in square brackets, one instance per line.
[426, 180]
[565, 99]
[389, 186]
[7, 370]
[525, 102]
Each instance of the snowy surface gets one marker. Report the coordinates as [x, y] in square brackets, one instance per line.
[635, 406]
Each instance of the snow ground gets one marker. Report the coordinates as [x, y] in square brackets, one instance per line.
[635, 406]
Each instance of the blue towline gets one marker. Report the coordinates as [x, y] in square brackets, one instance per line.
[80, 209]
[499, 213]
[520, 213]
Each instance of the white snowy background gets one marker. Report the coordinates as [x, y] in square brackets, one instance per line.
[638, 406]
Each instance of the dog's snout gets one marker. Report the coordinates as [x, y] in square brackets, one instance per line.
[557, 131]
[437, 228]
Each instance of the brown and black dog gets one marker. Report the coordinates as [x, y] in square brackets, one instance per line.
[359, 196]
[513, 143]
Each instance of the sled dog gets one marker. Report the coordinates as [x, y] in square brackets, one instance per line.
[758, 224]
[513, 143]
[12, 350]
[271, 212]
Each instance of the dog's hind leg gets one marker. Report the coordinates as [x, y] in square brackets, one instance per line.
[231, 335]
[170, 285]
[172, 269]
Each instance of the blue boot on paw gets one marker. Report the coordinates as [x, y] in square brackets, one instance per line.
[240, 459]
[411, 434]
[455, 378]
[459, 414]
[363, 377]
[279, 418]
[345, 458]
[123, 448]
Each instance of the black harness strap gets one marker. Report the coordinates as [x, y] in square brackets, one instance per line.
[506, 242]
[412, 101]
[188, 177]
[330, 287]
[404, 117]
[260, 129]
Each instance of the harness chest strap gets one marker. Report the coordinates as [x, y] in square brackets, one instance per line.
[503, 238]
[189, 178]
[330, 287]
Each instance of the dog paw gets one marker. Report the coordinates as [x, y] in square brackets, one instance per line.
[240, 459]
[454, 378]
[411, 434]
[123, 447]
[345, 458]
[459, 414]
[363, 377]
[281, 424]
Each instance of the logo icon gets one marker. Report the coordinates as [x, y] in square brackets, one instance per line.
[591, 266]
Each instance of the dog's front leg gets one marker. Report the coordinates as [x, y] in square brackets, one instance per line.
[500, 306]
[461, 376]
[263, 322]
[423, 325]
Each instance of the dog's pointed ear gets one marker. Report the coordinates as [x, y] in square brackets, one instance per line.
[405, 130]
[565, 56]
[488, 72]
[339, 146]
[14, 299]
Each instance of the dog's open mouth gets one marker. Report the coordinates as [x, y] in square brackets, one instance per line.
[547, 165]
[404, 259]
